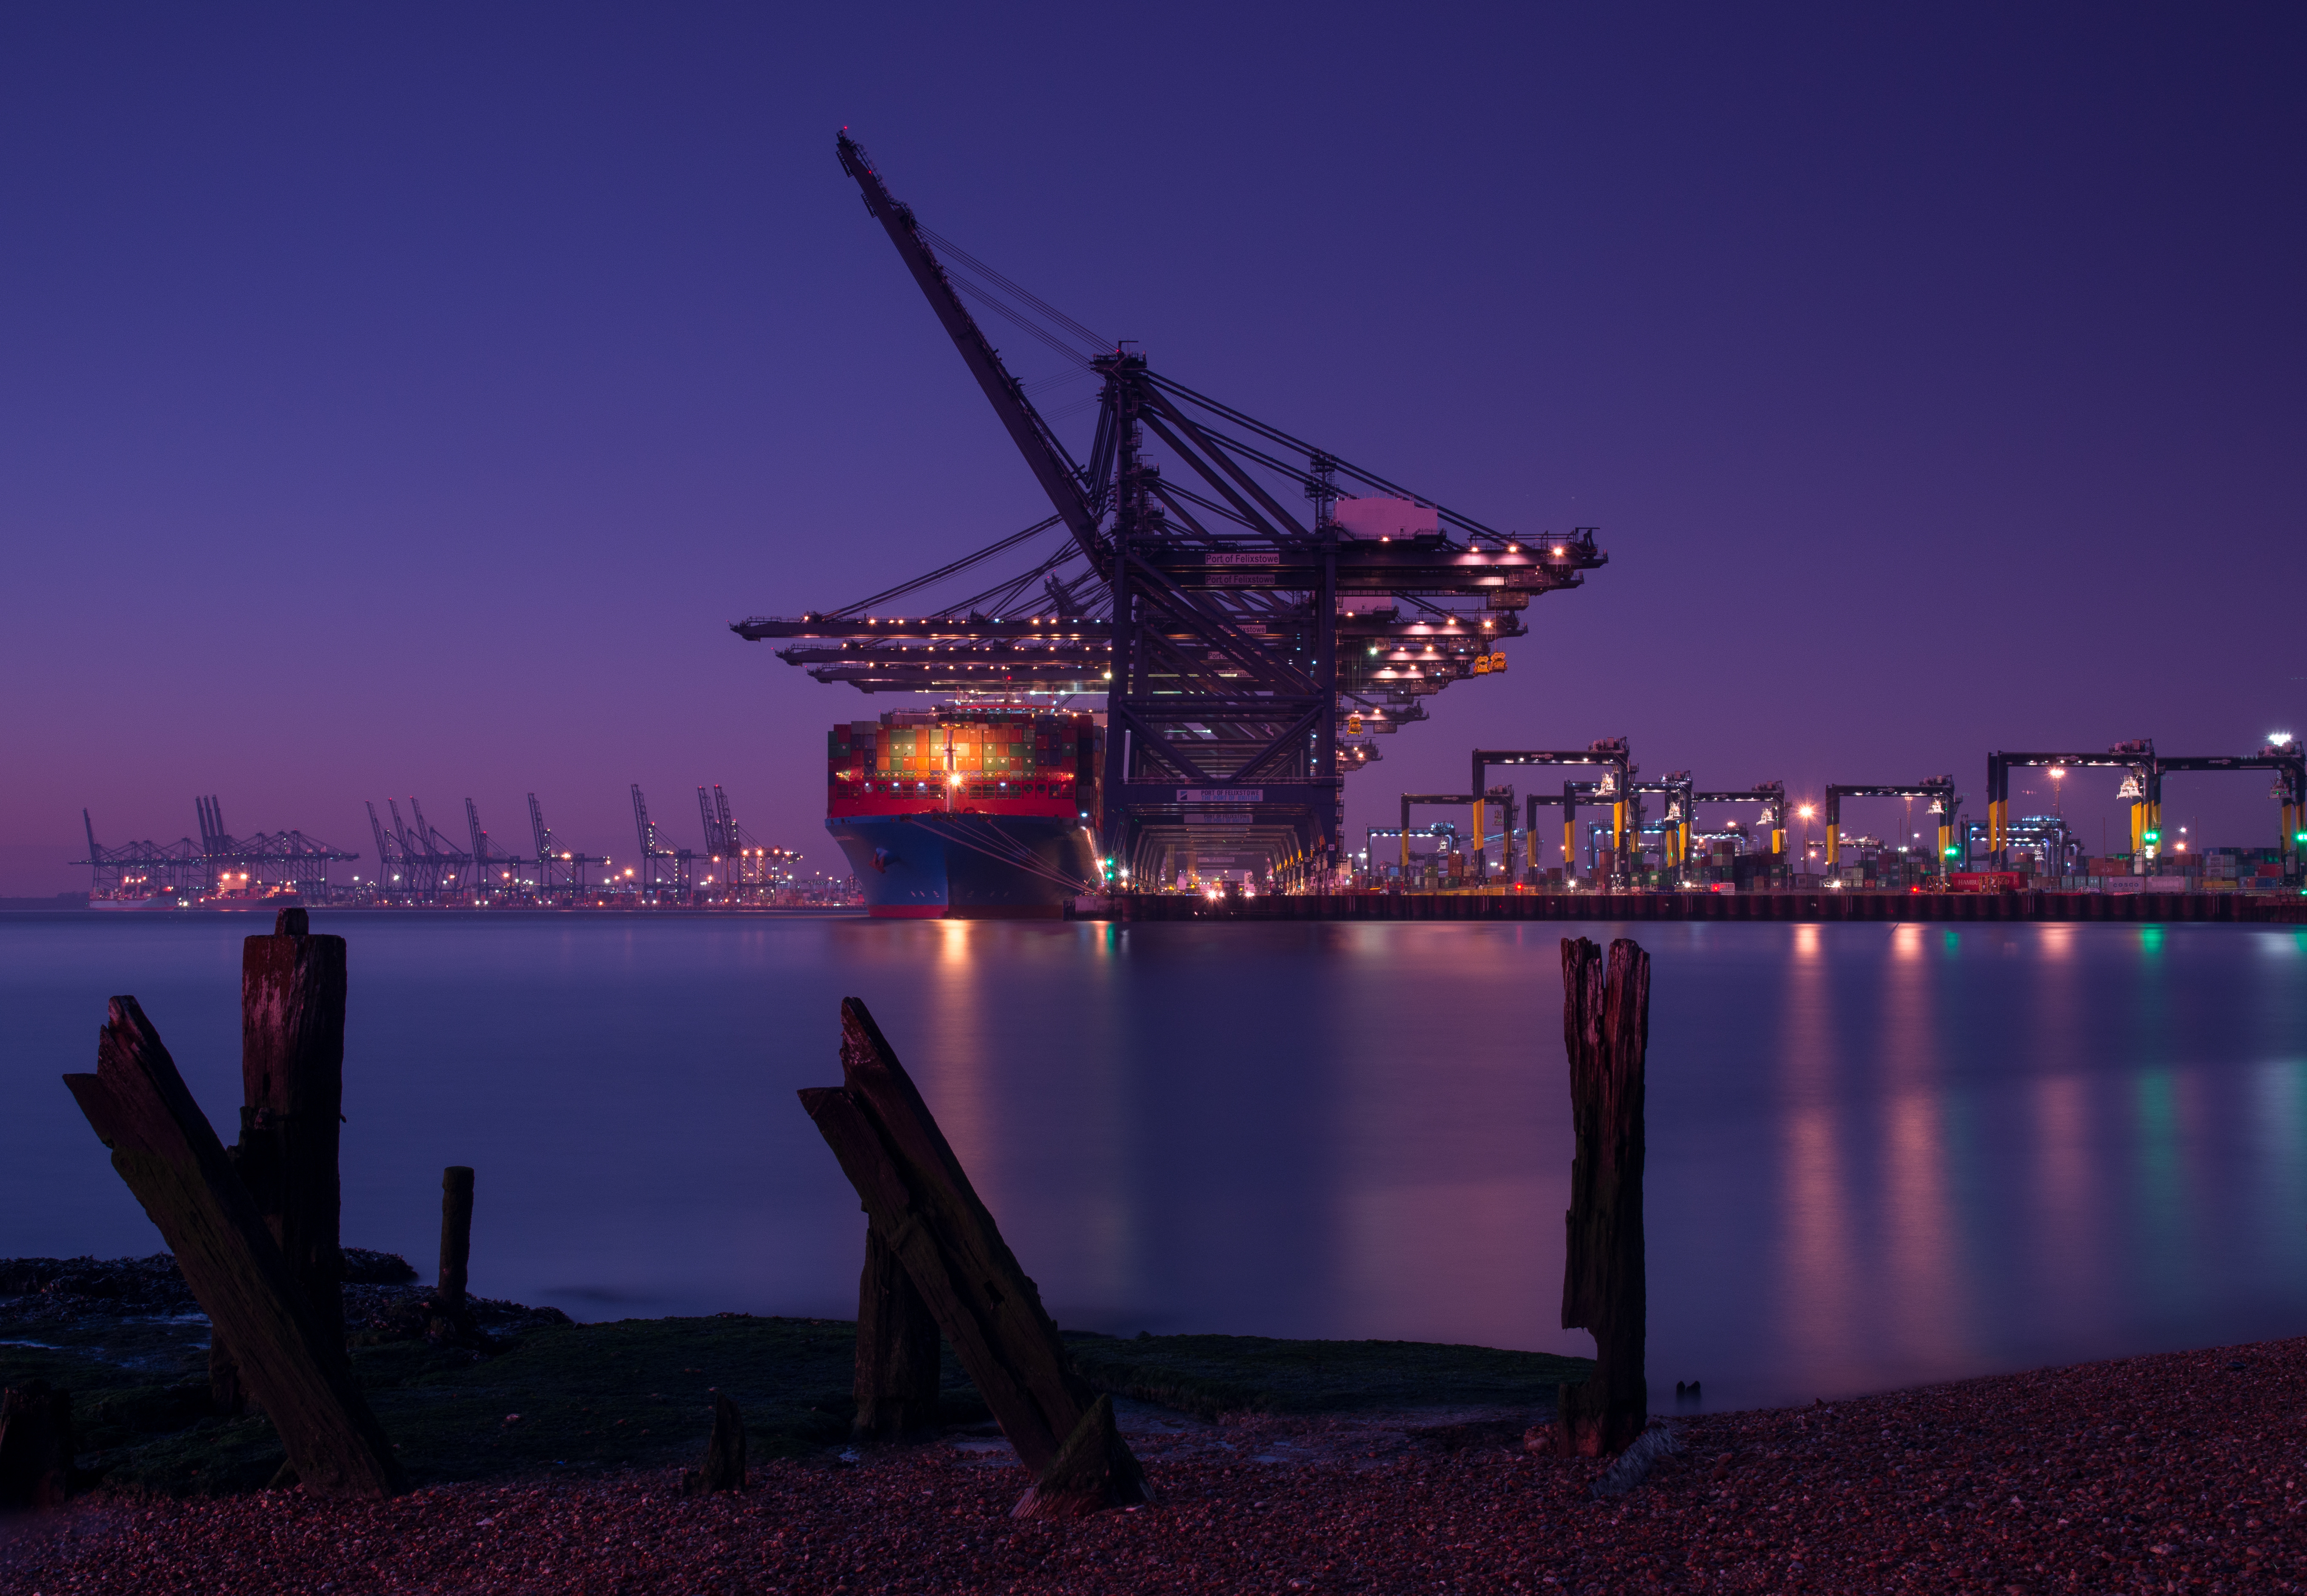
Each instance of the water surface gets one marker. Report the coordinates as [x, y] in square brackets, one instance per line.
[1879, 1154]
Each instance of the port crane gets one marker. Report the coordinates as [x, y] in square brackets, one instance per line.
[1239, 596]
[269, 858]
[2143, 772]
[2135, 759]
[656, 855]
[1618, 771]
[1481, 804]
[552, 860]
[1939, 790]
[493, 867]
[1772, 797]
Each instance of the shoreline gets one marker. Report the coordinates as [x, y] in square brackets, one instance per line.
[2173, 1470]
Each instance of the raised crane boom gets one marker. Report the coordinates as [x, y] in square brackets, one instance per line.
[1234, 637]
[1052, 467]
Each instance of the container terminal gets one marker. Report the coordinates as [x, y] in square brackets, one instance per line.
[1251, 613]
[1155, 693]
[419, 866]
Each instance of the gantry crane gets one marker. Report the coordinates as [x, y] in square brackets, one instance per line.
[552, 860]
[656, 855]
[2142, 786]
[1618, 771]
[2134, 758]
[1501, 798]
[1770, 794]
[493, 867]
[1939, 789]
[1232, 634]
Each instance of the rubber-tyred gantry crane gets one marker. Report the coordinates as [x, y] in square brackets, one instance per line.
[1945, 803]
[1237, 607]
[1618, 771]
[2143, 771]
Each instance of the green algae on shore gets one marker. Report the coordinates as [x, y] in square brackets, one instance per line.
[638, 1394]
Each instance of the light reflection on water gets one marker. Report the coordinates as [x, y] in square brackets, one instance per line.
[1878, 1155]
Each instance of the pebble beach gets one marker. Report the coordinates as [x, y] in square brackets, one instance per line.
[2174, 1472]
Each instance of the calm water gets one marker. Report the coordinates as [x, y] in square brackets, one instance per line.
[1878, 1155]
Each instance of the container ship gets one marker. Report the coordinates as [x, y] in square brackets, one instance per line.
[968, 813]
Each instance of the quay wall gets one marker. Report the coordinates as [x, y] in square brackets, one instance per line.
[1953, 907]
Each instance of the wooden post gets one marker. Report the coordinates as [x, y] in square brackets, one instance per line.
[897, 1349]
[927, 1213]
[724, 1454]
[292, 1069]
[1605, 1031]
[292, 1360]
[35, 1448]
[455, 1236]
[291, 1073]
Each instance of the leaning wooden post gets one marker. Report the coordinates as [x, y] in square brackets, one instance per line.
[1605, 1031]
[292, 1360]
[917, 1196]
[897, 1385]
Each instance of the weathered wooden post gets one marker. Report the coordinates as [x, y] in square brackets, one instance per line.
[293, 1360]
[35, 1448]
[724, 1454]
[292, 1072]
[929, 1215]
[1605, 1031]
[897, 1349]
[450, 1316]
[456, 1237]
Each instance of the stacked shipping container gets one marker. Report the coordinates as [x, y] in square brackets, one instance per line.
[995, 761]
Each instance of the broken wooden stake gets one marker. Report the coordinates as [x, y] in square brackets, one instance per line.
[929, 1215]
[35, 1448]
[291, 1073]
[896, 1386]
[1605, 1031]
[292, 1360]
[724, 1454]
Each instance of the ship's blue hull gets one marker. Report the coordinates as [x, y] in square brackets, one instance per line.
[967, 866]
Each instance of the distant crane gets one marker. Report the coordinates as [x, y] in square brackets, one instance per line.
[722, 840]
[655, 854]
[493, 867]
[748, 865]
[553, 861]
[431, 865]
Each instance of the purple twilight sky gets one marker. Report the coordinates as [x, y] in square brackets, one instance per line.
[404, 400]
